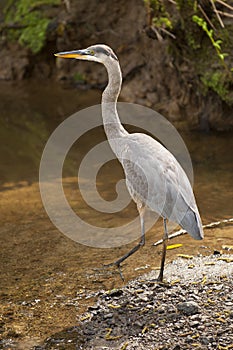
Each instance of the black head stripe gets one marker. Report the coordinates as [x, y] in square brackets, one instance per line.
[100, 49]
[113, 56]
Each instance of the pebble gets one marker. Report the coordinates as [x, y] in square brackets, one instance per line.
[177, 347]
[204, 340]
[194, 324]
[188, 307]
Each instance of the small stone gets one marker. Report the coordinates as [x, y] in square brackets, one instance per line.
[177, 347]
[115, 292]
[138, 323]
[201, 328]
[204, 340]
[195, 317]
[188, 307]
[208, 324]
[194, 324]
[172, 316]
[143, 298]
[211, 339]
[204, 318]
[228, 303]
[188, 339]
[93, 307]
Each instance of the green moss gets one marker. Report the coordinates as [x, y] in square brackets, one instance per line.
[219, 83]
[161, 17]
[79, 77]
[162, 22]
[27, 23]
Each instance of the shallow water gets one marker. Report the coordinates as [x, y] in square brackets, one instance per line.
[29, 114]
[40, 263]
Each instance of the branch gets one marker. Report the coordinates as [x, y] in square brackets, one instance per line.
[172, 2]
[224, 4]
[168, 33]
[206, 17]
[183, 232]
[217, 14]
[159, 37]
[67, 5]
[225, 14]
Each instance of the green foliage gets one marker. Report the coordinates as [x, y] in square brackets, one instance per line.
[79, 77]
[160, 17]
[162, 22]
[217, 82]
[192, 42]
[216, 44]
[27, 24]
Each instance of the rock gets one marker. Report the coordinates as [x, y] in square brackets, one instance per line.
[14, 63]
[188, 308]
[204, 340]
[177, 347]
[194, 324]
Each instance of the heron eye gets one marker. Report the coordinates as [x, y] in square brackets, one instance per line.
[92, 52]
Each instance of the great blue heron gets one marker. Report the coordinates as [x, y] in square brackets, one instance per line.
[154, 178]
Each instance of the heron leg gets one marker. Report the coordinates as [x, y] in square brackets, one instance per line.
[118, 262]
[165, 239]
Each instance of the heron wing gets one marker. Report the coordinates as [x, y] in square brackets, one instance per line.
[155, 177]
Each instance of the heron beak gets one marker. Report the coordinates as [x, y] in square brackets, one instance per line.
[78, 54]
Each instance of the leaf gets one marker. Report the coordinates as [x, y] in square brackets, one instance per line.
[221, 56]
[217, 45]
[210, 32]
[174, 246]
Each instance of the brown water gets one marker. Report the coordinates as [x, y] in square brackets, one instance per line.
[47, 279]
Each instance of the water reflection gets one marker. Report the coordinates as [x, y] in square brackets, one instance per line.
[29, 113]
[213, 171]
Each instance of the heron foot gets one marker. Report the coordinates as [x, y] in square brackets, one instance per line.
[162, 283]
[160, 278]
[118, 265]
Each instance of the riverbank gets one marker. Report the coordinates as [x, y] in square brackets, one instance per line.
[192, 310]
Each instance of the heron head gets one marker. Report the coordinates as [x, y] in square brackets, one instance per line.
[98, 53]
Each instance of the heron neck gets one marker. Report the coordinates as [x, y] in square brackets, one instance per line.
[111, 121]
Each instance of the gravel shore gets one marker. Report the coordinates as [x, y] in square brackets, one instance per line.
[193, 309]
